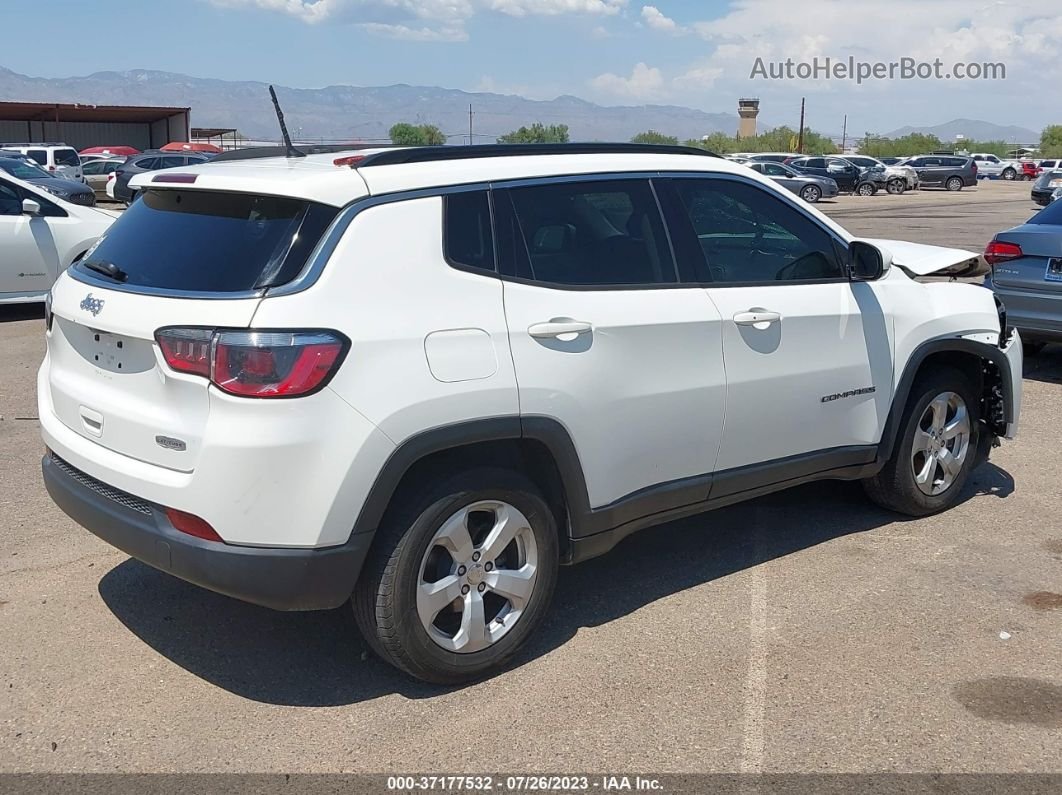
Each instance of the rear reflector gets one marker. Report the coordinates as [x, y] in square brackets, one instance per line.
[259, 364]
[997, 251]
[184, 179]
[192, 525]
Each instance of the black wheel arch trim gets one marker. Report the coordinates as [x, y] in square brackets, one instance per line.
[983, 350]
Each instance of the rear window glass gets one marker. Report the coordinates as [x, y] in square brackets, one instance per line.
[206, 241]
[1051, 214]
[66, 157]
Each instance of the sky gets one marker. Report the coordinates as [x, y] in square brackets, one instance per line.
[697, 54]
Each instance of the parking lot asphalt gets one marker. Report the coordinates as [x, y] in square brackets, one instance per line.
[807, 631]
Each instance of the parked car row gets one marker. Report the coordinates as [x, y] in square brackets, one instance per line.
[864, 175]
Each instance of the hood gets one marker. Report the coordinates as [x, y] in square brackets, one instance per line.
[918, 259]
[70, 186]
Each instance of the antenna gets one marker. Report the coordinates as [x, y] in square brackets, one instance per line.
[291, 151]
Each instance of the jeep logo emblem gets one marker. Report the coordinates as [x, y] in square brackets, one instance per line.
[93, 305]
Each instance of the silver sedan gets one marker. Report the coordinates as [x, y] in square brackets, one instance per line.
[808, 187]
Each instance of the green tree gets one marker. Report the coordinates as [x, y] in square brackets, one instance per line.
[406, 134]
[720, 143]
[537, 133]
[913, 144]
[1051, 141]
[654, 137]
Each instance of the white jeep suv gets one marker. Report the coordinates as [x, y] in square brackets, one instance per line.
[421, 379]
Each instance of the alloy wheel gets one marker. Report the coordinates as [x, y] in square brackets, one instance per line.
[941, 443]
[477, 576]
[811, 194]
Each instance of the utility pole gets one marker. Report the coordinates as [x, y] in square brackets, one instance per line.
[470, 124]
[800, 139]
[844, 134]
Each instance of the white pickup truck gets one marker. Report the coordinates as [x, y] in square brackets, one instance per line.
[989, 165]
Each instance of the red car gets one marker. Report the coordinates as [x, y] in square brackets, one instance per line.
[1029, 170]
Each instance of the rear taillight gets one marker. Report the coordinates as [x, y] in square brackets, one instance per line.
[261, 364]
[997, 251]
[192, 525]
[187, 350]
[350, 160]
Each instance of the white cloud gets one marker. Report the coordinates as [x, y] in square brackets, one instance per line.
[645, 82]
[406, 33]
[655, 19]
[421, 20]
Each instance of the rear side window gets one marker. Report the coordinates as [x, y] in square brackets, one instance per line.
[66, 157]
[604, 233]
[40, 155]
[206, 241]
[467, 237]
[147, 163]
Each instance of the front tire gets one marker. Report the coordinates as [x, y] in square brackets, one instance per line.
[866, 189]
[896, 187]
[461, 573]
[936, 449]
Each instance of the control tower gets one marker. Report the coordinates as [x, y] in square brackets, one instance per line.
[748, 110]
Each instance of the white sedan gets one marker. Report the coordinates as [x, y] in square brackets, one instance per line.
[40, 236]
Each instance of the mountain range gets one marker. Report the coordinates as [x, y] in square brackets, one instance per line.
[366, 113]
[355, 112]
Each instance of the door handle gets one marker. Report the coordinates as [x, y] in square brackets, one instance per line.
[756, 316]
[558, 327]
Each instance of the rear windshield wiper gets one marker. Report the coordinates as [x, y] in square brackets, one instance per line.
[108, 269]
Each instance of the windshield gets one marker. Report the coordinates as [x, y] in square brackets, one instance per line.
[207, 241]
[23, 169]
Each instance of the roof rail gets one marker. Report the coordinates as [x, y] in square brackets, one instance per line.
[33, 143]
[428, 154]
[255, 152]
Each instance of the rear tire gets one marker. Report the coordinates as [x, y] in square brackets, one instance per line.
[936, 448]
[810, 194]
[435, 552]
[953, 184]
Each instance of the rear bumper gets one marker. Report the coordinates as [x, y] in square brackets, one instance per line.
[1037, 314]
[283, 579]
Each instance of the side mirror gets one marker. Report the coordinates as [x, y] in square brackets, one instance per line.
[867, 262]
[31, 207]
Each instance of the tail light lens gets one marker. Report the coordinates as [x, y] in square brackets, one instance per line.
[997, 251]
[259, 364]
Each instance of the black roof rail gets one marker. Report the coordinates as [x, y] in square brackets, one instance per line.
[255, 152]
[428, 154]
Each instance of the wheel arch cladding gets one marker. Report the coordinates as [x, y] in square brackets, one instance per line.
[538, 447]
[986, 365]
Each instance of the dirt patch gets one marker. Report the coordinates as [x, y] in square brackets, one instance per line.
[1013, 700]
[1043, 600]
[1054, 546]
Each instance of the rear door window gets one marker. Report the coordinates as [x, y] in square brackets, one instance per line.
[208, 241]
[39, 155]
[66, 157]
[147, 163]
[607, 233]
